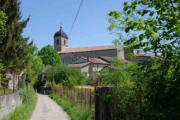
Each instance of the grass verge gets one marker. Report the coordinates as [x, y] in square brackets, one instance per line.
[24, 111]
[71, 108]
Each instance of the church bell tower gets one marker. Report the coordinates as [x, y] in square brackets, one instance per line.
[60, 40]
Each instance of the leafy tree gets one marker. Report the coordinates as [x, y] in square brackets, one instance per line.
[2, 34]
[153, 26]
[65, 75]
[34, 65]
[123, 100]
[49, 56]
[13, 47]
[2, 25]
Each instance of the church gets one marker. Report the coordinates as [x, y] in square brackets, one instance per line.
[100, 56]
[88, 59]
[70, 55]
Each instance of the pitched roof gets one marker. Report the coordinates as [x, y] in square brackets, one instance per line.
[110, 59]
[86, 49]
[95, 60]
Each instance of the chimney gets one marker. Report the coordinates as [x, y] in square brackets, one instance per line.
[88, 58]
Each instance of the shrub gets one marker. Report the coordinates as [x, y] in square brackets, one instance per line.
[26, 94]
[24, 111]
[66, 75]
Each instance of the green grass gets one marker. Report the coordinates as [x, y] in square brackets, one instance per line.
[24, 111]
[7, 91]
[71, 108]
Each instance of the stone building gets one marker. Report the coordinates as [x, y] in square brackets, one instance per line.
[87, 59]
[70, 55]
[89, 65]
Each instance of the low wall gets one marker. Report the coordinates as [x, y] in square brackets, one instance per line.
[8, 103]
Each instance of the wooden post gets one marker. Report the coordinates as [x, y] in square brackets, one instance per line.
[102, 106]
[90, 101]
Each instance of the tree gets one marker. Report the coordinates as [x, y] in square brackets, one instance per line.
[2, 34]
[153, 26]
[34, 65]
[14, 46]
[49, 56]
[2, 25]
[65, 75]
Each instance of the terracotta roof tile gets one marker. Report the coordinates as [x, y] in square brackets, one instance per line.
[95, 60]
[86, 49]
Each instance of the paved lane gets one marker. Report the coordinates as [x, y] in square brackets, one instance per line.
[47, 109]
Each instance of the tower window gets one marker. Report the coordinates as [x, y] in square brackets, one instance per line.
[64, 42]
[57, 41]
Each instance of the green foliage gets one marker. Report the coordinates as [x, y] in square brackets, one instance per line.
[70, 82]
[119, 78]
[124, 83]
[66, 75]
[161, 81]
[49, 56]
[3, 81]
[2, 25]
[13, 47]
[34, 66]
[144, 91]
[117, 62]
[1, 68]
[154, 24]
[72, 109]
[24, 111]
[26, 94]
[7, 91]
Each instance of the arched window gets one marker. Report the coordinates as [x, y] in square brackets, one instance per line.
[64, 42]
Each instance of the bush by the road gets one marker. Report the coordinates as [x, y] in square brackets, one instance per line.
[25, 111]
[68, 76]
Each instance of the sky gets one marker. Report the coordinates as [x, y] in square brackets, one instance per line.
[90, 29]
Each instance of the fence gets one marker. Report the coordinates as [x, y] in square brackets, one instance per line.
[103, 107]
[104, 103]
[82, 96]
[116, 104]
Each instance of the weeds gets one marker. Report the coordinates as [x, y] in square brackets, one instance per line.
[24, 111]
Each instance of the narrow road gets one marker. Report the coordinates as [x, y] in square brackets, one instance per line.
[47, 109]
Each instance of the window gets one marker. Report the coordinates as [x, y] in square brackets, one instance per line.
[64, 42]
[57, 41]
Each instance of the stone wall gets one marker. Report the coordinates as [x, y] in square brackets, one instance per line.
[69, 58]
[8, 103]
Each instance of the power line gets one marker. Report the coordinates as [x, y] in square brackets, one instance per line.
[78, 11]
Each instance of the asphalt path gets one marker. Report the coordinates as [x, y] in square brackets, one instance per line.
[47, 109]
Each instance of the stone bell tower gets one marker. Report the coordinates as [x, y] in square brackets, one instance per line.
[60, 40]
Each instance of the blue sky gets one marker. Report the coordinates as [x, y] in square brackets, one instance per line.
[90, 28]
